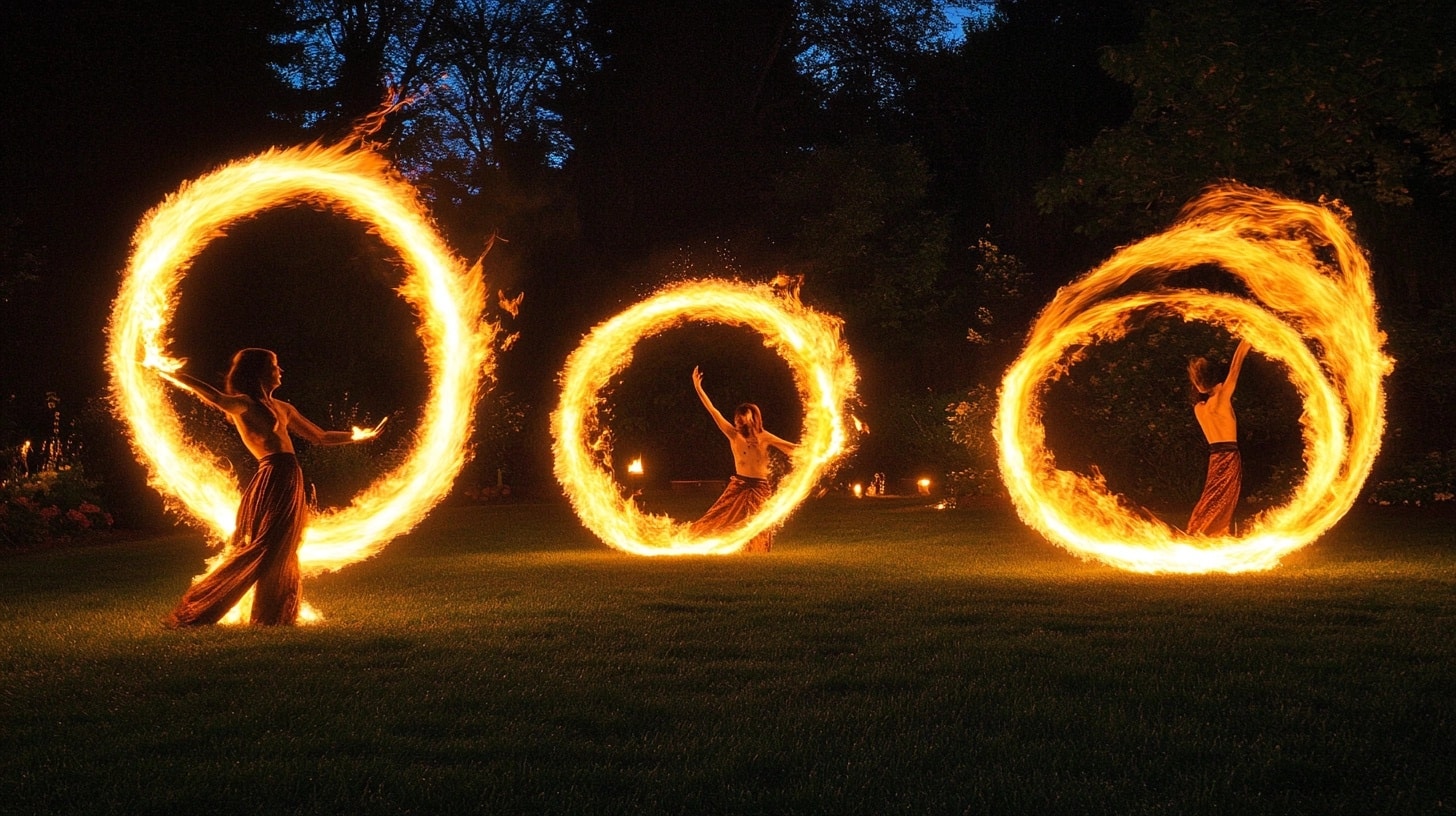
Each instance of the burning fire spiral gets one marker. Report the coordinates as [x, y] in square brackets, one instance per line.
[1318, 318]
[807, 340]
[447, 295]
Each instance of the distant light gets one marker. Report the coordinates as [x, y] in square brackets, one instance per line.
[924, 485]
[858, 490]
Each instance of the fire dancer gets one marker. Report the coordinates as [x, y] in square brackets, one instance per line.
[1213, 405]
[749, 488]
[271, 518]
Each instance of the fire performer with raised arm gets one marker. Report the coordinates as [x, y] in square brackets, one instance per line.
[749, 488]
[1213, 405]
[263, 552]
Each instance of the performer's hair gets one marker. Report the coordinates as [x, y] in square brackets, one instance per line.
[249, 367]
[1200, 377]
[754, 416]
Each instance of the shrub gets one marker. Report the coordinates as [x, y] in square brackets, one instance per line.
[49, 507]
[1427, 480]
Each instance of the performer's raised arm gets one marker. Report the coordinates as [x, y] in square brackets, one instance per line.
[1232, 380]
[723, 424]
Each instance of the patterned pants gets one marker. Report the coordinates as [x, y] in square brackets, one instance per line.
[743, 497]
[1214, 513]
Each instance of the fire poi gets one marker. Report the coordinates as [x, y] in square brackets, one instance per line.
[1315, 314]
[808, 341]
[447, 295]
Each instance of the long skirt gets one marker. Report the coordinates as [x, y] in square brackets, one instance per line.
[1214, 513]
[742, 498]
[263, 553]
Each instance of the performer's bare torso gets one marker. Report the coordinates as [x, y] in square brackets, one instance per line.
[750, 455]
[264, 429]
[1216, 417]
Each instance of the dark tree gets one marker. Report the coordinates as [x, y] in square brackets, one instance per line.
[1334, 98]
[109, 107]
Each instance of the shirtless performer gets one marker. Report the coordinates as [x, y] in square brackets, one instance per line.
[273, 512]
[749, 488]
[1213, 406]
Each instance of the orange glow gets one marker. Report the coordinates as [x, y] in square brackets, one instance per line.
[807, 340]
[924, 486]
[635, 466]
[858, 490]
[1315, 317]
[447, 295]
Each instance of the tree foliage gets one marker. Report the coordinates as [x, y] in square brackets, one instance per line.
[1339, 98]
[480, 74]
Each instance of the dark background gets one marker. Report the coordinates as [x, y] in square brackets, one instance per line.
[929, 168]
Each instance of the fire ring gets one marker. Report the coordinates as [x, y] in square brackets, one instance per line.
[1312, 309]
[447, 295]
[808, 341]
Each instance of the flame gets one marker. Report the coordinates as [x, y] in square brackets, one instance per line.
[635, 466]
[447, 295]
[1277, 247]
[807, 340]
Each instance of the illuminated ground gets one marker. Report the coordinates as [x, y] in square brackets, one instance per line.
[885, 658]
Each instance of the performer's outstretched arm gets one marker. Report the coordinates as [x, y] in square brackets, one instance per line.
[227, 403]
[310, 431]
[782, 444]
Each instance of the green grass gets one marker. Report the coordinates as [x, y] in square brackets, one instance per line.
[885, 658]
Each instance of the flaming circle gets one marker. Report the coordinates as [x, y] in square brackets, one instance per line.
[807, 340]
[447, 295]
[1317, 318]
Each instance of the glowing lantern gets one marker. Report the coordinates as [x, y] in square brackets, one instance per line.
[447, 295]
[1278, 248]
[805, 339]
[923, 485]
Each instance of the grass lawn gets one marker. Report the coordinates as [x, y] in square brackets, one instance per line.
[885, 658]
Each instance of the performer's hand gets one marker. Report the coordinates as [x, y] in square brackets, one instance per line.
[697, 377]
[161, 364]
[360, 434]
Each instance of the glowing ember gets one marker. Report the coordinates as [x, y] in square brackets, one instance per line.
[1277, 247]
[447, 295]
[807, 340]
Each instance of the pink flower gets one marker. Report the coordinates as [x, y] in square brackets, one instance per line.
[49, 513]
[88, 507]
[78, 517]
